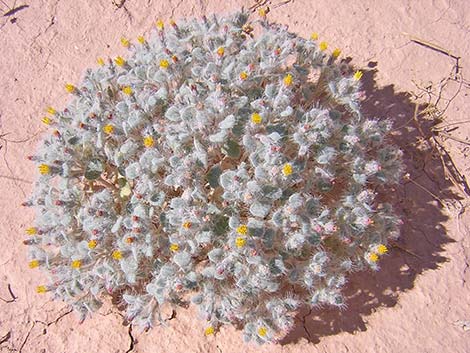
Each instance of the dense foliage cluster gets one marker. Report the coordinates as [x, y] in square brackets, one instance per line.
[212, 166]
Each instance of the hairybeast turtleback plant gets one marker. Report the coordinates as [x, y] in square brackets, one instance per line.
[214, 167]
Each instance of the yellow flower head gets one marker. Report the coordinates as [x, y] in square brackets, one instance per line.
[92, 244]
[76, 264]
[174, 247]
[108, 129]
[187, 225]
[46, 120]
[148, 141]
[117, 255]
[221, 51]
[141, 39]
[127, 90]
[44, 169]
[262, 331]
[287, 169]
[240, 242]
[336, 53]
[120, 61]
[382, 249]
[288, 80]
[243, 229]
[262, 12]
[209, 331]
[31, 231]
[100, 61]
[70, 88]
[314, 36]
[373, 257]
[160, 25]
[243, 75]
[125, 42]
[256, 118]
[51, 110]
[323, 46]
[357, 75]
[164, 64]
[41, 289]
[33, 264]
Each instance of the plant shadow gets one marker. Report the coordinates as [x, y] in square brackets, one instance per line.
[423, 238]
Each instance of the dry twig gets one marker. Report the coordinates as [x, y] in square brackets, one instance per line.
[436, 113]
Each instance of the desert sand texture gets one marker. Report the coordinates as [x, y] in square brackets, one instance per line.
[415, 55]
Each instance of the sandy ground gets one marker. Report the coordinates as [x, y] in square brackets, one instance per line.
[419, 302]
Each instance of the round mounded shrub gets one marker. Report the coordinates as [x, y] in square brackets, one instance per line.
[215, 168]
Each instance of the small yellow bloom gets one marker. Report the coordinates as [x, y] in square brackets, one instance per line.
[174, 247]
[287, 169]
[46, 120]
[323, 46]
[33, 264]
[240, 242]
[127, 90]
[76, 264]
[209, 331]
[31, 231]
[141, 39]
[243, 75]
[44, 169]
[288, 80]
[125, 42]
[164, 64]
[262, 12]
[314, 36]
[187, 225]
[92, 244]
[221, 51]
[160, 25]
[70, 88]
[120, 61]
[41, 289]
[262, 331]
[108, 129]
[243, 229]
[148, 141]
[117, 255]
[100, 61]
[373, 257]
[336, 53]
[382, 249]
[51, 110]
[256, 118]
[357, 75]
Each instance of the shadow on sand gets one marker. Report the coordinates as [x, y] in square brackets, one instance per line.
[423, 238]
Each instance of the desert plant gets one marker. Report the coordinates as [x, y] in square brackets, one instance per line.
[212, 166]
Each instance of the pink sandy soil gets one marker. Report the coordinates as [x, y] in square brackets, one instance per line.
[419, 302]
